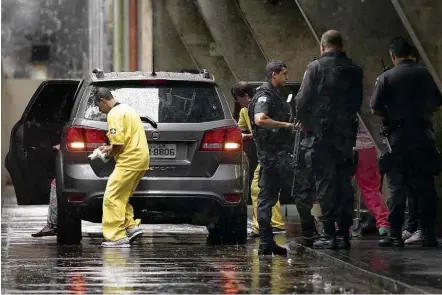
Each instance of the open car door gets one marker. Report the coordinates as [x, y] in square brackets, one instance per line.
[31, 156]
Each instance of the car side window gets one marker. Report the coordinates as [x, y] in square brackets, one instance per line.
[53, 104]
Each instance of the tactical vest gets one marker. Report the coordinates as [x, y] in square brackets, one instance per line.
[329, 117]
[271, 140]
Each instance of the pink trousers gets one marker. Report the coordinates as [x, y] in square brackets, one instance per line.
[369, 180]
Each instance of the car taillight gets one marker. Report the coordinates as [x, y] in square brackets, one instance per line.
[80, 139]
[232, 198]
[222, 139]
[76, 198]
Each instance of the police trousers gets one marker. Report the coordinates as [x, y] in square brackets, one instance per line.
[304, 196]
[272, 183]
[409, 179]
[118, 214]
[334, 191]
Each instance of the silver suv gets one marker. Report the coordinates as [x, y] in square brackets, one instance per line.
[198, 173]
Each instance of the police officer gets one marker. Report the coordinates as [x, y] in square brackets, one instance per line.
[328, 101]
[406, 97]
[269, 115]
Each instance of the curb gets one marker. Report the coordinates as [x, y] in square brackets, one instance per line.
[388, 284]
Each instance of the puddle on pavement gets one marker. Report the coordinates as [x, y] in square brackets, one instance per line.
[168, 259]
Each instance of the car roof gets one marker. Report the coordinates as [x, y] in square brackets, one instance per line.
[100, 76]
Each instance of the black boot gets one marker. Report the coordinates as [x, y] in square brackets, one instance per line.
[391, 240]
[309, 232]
[273, 249]
[343, 236]
[328, 238]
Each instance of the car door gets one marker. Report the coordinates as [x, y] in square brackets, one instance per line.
[30, 160]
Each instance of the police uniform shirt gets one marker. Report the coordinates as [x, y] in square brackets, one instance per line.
[126, 129]
[406, 91]
[270, 102]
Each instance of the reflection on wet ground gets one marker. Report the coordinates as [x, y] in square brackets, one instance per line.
[414, 265]
[168, 259]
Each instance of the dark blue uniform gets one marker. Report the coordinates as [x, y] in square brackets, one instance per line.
[328, 101]
[273, 147]
[408, 96]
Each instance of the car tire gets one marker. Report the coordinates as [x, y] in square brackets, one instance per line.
[68, 226]
[230, 230]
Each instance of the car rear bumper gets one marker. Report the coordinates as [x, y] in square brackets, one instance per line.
[174, 196]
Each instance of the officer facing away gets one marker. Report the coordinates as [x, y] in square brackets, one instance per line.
[406, 97]
[328, 101]
[269, 116]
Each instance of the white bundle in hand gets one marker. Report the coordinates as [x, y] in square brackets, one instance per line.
[97, 153]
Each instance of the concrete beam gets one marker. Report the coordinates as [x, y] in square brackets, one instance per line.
[199, 42]
[169, 51]
[282, 33]
[367, 26]
[234, 38]
[425, 19]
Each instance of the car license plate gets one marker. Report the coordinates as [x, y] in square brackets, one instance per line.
[162, 151]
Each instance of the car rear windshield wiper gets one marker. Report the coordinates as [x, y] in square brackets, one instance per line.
[147, 119]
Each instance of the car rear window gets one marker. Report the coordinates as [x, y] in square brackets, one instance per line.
[174, 102]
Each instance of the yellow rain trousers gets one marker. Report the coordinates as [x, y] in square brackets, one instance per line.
[276, 210]
[118, 214]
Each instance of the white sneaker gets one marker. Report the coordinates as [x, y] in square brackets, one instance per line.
[416, 238]
[134, 233]
[406, 235]
[121, 243]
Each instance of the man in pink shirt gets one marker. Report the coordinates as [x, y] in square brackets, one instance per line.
[369, 180]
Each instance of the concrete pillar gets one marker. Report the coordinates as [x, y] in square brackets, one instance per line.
[367, 27]
[198, 41]
[97, 42]
[118, 35]
[169, 51]
[282, 33]
[146, 31]
[233, 36]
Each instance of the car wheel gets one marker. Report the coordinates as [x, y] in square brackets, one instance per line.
[230, 230]
[68, 226]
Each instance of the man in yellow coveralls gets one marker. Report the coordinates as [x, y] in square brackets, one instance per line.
[128, 146]
[242, 93]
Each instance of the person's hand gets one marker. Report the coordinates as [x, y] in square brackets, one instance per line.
[247, 136]
[289, 126]
[56, 147]
[105, 149]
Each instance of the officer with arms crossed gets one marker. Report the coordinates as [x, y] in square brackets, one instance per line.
[406, 97]
[269, 115]
[130, 150]
[328, 101]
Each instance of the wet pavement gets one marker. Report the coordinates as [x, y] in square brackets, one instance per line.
[414, 265]
[168, 259]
